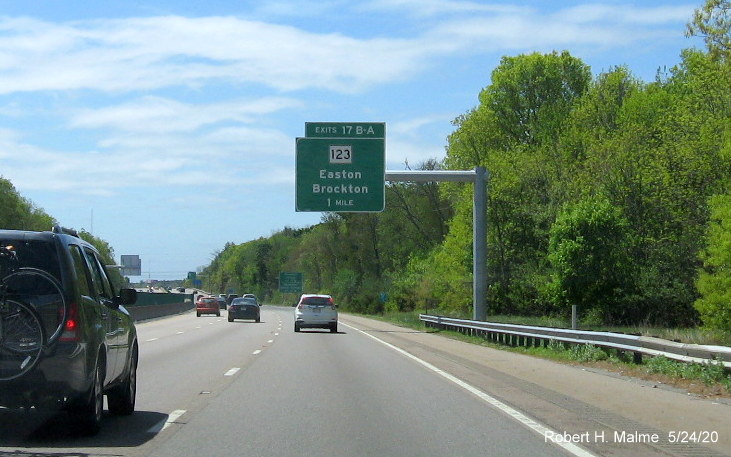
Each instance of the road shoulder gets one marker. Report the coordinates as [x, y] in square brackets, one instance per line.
[568, 398]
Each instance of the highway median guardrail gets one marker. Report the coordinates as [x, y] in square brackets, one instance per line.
[526, 335]
[153, 305]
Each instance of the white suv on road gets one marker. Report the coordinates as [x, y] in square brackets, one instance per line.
[316, 311]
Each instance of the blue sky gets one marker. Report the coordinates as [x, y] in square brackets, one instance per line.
[168, 128]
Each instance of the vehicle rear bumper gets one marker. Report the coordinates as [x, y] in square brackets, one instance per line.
[301, 323]
[59, 378]
[243, 314]
[213, 310]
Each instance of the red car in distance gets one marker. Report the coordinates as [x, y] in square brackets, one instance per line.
[207, 305]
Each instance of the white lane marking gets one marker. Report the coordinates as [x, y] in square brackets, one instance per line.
[512, 412]
[162, 425]
[257, 352]
[179, 333]
[276, 333]
[152, 339]
[232, 371]
[270, 341]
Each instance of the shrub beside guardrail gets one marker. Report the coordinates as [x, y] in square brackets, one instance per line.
[526, 335]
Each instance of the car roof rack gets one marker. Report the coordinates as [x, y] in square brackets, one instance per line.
[64, 230]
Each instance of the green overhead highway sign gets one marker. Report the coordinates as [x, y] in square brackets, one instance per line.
[290, 282]
[341, 167]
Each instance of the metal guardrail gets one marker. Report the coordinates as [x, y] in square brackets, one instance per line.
[526, 335]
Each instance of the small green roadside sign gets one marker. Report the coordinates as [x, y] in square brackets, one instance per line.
[290, 283]
[341, 167]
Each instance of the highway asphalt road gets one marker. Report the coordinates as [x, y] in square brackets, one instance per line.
[208, 387]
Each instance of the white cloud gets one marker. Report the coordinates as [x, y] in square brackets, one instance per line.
[172, 51]
[441, 7]
[151, 53]
[157, 114]
[624, 14]
[298, 8]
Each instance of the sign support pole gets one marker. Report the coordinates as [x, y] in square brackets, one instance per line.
[479, 245]
[478, 176]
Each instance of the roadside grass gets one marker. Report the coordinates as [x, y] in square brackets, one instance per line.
[704, 379]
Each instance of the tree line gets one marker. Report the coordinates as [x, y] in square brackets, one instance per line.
[606, 192]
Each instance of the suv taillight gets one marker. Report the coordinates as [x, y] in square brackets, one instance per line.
[72, 327]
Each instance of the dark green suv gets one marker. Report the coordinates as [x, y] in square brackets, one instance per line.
[86, 344]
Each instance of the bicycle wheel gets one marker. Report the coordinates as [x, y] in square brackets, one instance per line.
[42, 292]
[22, 339]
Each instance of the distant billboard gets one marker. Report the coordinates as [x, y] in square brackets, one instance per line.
[131, 265]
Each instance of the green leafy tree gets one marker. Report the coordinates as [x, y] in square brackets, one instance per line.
[712, 21]
[532, 94]
[19, 213]
[714, 279]
[589, 252]
[521, 115]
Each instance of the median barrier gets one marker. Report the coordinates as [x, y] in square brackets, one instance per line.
[153, 305]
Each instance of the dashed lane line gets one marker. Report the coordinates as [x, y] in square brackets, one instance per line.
[162, 425]
[232, 371]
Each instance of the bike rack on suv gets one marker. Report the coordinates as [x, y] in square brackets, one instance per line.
[29, 321]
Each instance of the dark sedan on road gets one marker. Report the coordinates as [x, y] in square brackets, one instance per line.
[244, 308]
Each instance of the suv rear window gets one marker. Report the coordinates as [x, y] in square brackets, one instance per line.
[318, 301]
[34, 253]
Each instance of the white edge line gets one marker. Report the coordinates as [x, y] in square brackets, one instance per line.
[257, 352]
[512, 412]
[162, 425]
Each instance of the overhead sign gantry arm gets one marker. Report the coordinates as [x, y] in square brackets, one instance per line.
[478, 176]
